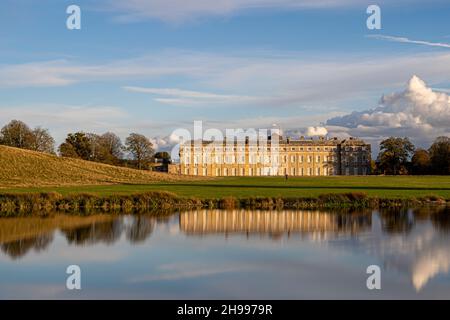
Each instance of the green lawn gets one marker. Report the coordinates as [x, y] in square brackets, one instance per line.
[381, 186]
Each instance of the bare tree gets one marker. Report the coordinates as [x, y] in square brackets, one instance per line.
[16, 134]
[140, 148]
[42, 141]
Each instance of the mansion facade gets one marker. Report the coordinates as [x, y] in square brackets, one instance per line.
[300, 157]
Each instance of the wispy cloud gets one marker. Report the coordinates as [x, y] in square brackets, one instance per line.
[181, 97]
[407, 40]
[263, 80]
[172, 272]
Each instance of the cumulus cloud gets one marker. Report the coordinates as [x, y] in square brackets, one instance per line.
[316, 131]
[417, 112]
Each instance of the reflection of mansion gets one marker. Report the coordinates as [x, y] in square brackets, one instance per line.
[302, 157]
[272, 222]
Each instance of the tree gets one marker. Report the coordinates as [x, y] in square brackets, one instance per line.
[440, 155]
[112, 146]
[106, 148]
[140, 148]
[394, 154]
[42, 141]
[420, 162]
[77, 145]
[16, 134]
[165, 156]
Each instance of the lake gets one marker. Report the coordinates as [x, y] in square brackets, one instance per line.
[235, 254]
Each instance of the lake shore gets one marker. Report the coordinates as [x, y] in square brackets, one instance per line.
[12, 204]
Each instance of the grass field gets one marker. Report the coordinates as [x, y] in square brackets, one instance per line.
[25, 168]
[244, 187]
[25, 171]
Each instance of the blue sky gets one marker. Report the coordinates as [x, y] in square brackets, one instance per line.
[154, 66]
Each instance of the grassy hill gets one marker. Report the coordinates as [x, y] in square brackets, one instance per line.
[25, 168]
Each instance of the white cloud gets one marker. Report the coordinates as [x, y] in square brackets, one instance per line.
[417, 112]
[316, 131]
[406, 40]
[181, 97]
[64, 72]
[265, 80]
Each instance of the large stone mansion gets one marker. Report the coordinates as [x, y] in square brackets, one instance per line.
[300, 157]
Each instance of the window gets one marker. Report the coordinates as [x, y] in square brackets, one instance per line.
[317, 159]
[300, 159]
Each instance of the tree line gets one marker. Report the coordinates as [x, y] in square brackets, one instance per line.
[137, 151]
[397, 155]
[400, 156]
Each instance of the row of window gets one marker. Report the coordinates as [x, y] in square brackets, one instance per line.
[260, 159]
[211, 148]
[272, 171]
[259, 172]
[229, 149]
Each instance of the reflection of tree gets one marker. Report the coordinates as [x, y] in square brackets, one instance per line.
[19, 248]
[396, 221]
[441, 219]
[108, 232]
[140, 229]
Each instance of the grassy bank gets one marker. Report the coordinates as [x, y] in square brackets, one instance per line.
[42, 203]
[386, 187]
[21, 168]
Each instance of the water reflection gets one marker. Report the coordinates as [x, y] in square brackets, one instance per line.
[413, 242]
[273, 223]
[19, 248]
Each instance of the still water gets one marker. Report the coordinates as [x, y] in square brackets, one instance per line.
[218, 254]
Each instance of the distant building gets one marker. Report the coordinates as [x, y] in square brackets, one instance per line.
[302, 157]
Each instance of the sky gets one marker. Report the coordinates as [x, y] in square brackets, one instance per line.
[308, 66]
